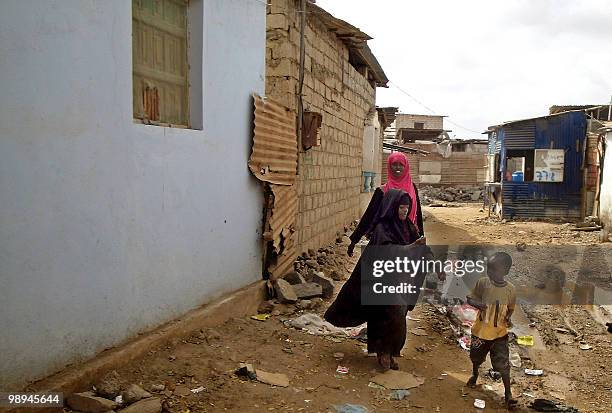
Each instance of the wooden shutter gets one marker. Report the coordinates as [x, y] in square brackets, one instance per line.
[160, 68]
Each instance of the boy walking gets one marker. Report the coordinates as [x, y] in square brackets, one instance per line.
[495, 299]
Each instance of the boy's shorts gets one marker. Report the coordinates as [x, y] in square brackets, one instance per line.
[498, 349]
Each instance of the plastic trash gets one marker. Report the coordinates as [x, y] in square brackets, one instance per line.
[342, 370]
[495, 375]
[399, 394]
[534, 372]
[515, 360]
[350, 408]
[197, 390]
[544, 405]
[261, 317]
[464, 342]
[525, 340]
[585, 346]
[479, 404]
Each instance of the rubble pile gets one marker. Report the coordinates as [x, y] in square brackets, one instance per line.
[312, 280]
[109, 395]
[431, 194]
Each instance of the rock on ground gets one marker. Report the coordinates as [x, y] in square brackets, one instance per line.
[134, 393]
[109, 387]
[285, 292]
[88, 402]
[152, 405]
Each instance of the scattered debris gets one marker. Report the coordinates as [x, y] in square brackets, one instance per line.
[158, 387]
[521, 246]
[110, 386]
[399, 394]
[314, 324]
[246, 370]
[273, 379]
[464, 342]
[294, 278]
[198, 390]
[152, 405]
[585, 346]
[544, 405]
[495, 375]
[284, 291]
[327, 284]
[261, 317]
[515, 360]
[534, 372]
[350, 408]
[338, 356]
[88, 402]
[342, 370]
[562, 330]
[525, 340]
[307, 290]
[479, 404]
[133, 394]
[397, 380]
[376, 386]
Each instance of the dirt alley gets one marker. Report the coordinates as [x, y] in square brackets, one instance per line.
[208, 358]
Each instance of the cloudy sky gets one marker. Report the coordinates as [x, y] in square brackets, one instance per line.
[482, 62]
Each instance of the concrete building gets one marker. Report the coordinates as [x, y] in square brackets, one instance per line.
[340, 76]
[412, 128]
[123, 170]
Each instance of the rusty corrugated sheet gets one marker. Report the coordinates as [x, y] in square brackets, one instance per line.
[274, 155]
[280, 230]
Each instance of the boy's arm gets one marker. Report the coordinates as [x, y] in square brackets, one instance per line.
[475, 297]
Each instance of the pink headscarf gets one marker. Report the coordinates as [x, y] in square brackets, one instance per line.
[404, 182]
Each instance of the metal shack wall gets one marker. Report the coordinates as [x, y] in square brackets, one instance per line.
[547, 199]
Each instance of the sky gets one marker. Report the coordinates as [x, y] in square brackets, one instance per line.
[483, 62]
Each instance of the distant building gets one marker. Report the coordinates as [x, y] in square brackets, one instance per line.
[412, 128]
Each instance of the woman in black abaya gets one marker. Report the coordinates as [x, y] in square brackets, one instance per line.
[386, 323]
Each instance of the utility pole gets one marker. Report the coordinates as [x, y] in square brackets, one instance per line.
[610, 109]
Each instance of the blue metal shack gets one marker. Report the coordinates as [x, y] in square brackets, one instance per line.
[532, 199]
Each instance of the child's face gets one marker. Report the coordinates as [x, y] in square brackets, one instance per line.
[496, 270]
[403, 212]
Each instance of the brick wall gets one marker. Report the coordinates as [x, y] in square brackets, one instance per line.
[407, 121]
[329, 178]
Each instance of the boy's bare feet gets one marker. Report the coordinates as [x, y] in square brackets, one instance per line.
[472, 381]
[510, 402]
[394, 365]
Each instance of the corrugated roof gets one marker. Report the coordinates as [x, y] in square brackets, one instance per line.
[355, 40]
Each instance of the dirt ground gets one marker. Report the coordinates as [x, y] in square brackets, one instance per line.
[580, 378]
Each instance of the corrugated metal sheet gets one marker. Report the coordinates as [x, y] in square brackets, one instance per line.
[520, 136]
[280, 229]
[274, 155]
[550, 199]
[533, 200]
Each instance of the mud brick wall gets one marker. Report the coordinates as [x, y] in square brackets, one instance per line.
[329, 175]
